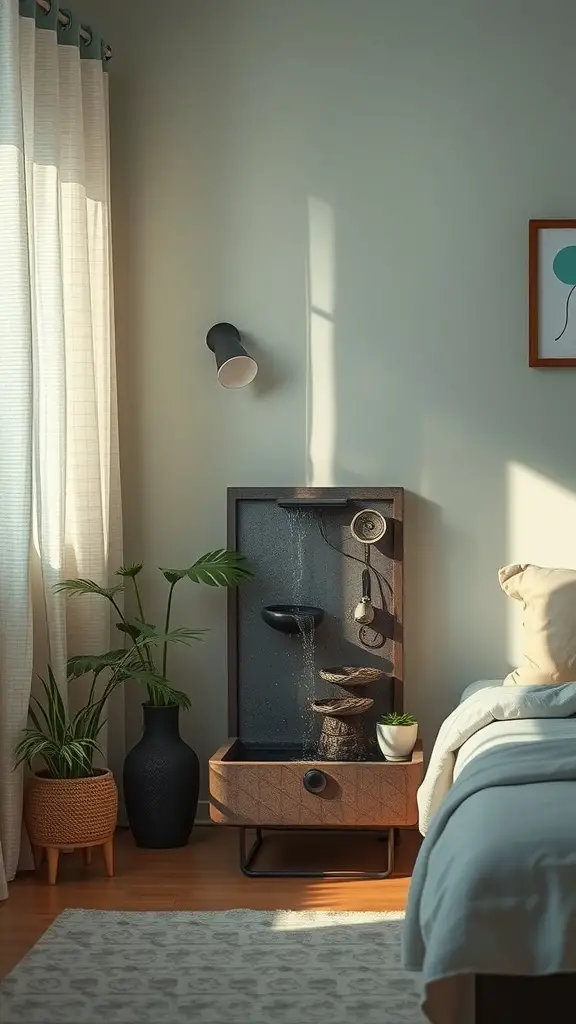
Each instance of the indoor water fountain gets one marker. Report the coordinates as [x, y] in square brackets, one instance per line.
[315, 656]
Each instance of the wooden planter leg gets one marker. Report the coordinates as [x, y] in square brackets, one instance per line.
[87, 854]
[52, 855]
[108, 852]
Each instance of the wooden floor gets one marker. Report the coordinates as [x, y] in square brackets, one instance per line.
[204, 876]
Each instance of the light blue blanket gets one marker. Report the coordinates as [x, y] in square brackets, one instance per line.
[494, 886]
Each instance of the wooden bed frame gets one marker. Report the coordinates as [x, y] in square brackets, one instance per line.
[523, 1000]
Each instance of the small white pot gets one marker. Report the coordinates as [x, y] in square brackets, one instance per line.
[397, 741]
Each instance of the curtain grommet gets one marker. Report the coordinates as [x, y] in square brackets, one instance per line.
[65, 26]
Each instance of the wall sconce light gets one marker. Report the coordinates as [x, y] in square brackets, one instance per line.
[236, 368]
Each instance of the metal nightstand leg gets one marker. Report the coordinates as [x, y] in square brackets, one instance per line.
[248, 857]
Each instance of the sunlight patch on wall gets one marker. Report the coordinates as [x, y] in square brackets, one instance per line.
[541, 530]
[320, 382]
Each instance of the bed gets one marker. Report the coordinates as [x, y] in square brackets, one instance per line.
[491, 918]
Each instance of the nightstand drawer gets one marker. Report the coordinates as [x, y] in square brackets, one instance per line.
[333, 794]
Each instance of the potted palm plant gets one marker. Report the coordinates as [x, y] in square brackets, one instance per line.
[68, 802]
[161, 773]
[397, 735]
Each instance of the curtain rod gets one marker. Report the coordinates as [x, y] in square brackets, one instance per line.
[85, 32]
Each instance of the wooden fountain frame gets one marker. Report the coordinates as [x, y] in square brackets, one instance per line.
[388, 791]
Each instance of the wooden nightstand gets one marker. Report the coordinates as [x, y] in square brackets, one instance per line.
[375, 796]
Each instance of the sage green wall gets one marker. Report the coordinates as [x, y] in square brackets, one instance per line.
[420, 138]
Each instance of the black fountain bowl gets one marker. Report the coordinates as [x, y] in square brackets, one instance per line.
[287, 617]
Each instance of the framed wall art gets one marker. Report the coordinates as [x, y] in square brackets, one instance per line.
[552, 293]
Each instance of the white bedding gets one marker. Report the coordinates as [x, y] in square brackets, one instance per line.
[523, 731]
[471, 717]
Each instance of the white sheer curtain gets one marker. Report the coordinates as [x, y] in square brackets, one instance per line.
[59, 469]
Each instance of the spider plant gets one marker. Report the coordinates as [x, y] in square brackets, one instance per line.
[396, 718]
[146, 659]
[66, 745]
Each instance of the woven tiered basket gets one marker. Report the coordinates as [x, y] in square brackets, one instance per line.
[351, 676]
[343, 736]
[71, 812]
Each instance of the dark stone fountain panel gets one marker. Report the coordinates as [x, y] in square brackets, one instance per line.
[273, 675]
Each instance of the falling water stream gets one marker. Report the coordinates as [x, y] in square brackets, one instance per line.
[306, 687]
[297, 520]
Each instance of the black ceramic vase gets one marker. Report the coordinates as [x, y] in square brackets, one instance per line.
[161, 778]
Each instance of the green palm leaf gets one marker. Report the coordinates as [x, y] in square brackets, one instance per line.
[133, 629]
[221, 568]
[130, 571]
[96, 663]
[166, 695]
[159, 689]
[81, 586]
[61, 752]
[181, 635]
[173, 575]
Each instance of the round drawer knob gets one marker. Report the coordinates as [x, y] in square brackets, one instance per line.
[315, 781]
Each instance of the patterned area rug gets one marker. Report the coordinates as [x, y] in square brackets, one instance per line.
[232, 967]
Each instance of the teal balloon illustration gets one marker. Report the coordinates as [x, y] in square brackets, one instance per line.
[564, 267]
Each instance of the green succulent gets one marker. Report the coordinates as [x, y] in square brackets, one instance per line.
[396, 718]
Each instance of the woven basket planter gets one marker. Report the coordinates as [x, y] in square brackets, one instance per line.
[71, 812]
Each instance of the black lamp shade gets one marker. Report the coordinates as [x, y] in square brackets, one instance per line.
[236, 368]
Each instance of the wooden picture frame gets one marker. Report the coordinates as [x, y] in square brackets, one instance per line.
[552, 293]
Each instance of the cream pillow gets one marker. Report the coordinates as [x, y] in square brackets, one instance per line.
[549, 623]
